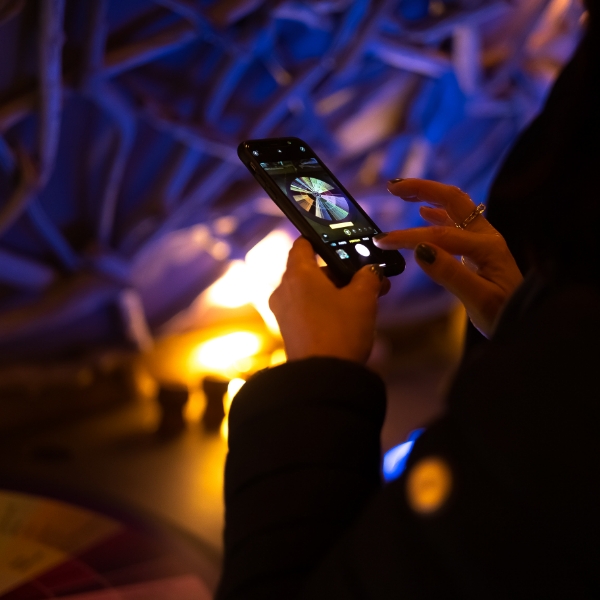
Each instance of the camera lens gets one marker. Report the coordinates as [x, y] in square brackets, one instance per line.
[278, 150]
[302, 149]
[255, 152]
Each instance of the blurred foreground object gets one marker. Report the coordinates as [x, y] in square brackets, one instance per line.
[51, 549]
[172, 400]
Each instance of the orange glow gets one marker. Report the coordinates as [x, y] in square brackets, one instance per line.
[278, 357]
[235, 385]
[232, 289]
[254, 279]
[428, 485]
[226, 353]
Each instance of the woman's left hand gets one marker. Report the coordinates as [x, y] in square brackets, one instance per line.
[317, 318]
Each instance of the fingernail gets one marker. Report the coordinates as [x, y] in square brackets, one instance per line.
[425, 253]
[378, 271]
[397, 180]
[380, 236]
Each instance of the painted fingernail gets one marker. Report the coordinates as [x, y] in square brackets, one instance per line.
[380, 236]
[397, 180]
[377, 270]
[425, 253]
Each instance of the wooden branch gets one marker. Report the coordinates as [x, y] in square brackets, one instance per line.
[210, 186]
[10, 9]
[466, 58]
[133, 316]
[188, 9]
[430, 63]
[24, 273]
[433, 33]
[136, 54]
[93, 57]
[78, 297]
[225, 82]
[15, 110]
[502, 76]
[52, 236]
[7, 158]
[277, 108]
[227, 12]
[125, 123]
[347, 48]
[176, 175]
[23, 194]
[190, 135]
[50, 75]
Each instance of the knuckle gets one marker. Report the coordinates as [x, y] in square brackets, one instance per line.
[440, 233]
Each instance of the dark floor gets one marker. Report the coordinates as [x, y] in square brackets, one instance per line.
[116, 457]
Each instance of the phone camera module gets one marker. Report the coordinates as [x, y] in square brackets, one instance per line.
[255, 152]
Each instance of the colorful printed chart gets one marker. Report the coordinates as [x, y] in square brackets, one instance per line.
[50, 549]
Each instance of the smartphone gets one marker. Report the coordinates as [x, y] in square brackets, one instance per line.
[318, 205]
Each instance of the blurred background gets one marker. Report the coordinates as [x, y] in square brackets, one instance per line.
[137, 254]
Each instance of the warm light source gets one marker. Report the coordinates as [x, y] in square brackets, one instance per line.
[266, 264]
[254, 279]
[225, 353]
[232, 290]
[235, 385]
[278, 357]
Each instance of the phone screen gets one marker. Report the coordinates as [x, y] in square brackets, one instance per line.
[319, 199]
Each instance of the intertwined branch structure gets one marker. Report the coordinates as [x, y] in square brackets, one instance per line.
[121, 195]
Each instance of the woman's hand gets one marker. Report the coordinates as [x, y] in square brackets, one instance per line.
[318, 319]
[487, 275]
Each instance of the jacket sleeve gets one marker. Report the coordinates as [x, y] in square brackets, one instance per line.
[304, 459]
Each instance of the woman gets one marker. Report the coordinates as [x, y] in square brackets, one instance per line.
[499, 498]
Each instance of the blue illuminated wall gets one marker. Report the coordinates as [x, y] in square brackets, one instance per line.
[119, 121]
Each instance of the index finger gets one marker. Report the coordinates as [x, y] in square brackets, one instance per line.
[457, 203]
[454, 241]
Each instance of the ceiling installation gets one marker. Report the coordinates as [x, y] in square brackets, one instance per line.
[121, 195]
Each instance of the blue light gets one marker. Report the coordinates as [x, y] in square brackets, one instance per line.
[394, 460]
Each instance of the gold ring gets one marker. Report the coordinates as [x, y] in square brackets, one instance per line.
[471, 217]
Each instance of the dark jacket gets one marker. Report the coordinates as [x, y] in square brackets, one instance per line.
[516, 515]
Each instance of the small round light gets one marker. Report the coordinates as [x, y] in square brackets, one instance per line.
[428, 485]
[255, 152]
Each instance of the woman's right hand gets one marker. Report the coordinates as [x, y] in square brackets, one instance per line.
[488, 274]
